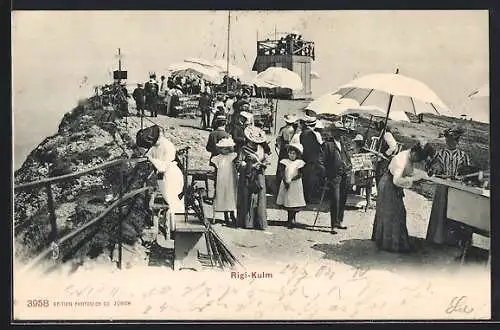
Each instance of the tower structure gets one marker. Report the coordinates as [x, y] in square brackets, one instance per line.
[290, 52]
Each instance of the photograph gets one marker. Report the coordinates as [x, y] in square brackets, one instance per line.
[250, 165]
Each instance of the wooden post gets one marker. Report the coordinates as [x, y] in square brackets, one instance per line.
[120, 219]
[52, 213]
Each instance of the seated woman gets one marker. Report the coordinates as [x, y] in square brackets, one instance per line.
[389, 228]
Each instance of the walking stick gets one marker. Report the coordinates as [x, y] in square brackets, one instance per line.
[320, 203]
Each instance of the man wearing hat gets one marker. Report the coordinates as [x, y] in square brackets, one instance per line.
[238, 129]
[448, 162]
[204, 105]
[312, 151]
[219, 110]
[216, 135]
[139, 96]
[336, 165]
[152, 88]
[285, 135]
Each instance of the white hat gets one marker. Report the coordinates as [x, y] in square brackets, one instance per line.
[296, 146]
[290, 118]
[246, 114]
[225, 142]
[255, 134]
[358, 137]
[309, 121]
[319, 124]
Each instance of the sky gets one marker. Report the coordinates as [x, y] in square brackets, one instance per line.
[58, 56]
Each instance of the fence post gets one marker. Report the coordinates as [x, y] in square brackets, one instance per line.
[52, 213]
[120, 219]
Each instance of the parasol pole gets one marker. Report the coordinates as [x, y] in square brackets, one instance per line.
[391, 96]
[369, 125]
[276, 110]
[228, 41]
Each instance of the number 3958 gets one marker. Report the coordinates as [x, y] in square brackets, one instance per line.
[38, 303]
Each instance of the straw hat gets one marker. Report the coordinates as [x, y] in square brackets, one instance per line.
[454, 132]
[309, 121]
[225, 143]
[255, 134]
[338, 126]
[297, 146]
[290, 118]
[358, 137]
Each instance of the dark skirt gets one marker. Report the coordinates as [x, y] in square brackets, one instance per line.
[441, 230]
[380, 169]
[389, 228]
[251, 210]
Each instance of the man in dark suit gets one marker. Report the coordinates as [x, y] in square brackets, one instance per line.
[312, 151]
[336, 165]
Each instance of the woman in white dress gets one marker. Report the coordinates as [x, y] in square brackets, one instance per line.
[226, 179]
[291, 192]
[170, 178]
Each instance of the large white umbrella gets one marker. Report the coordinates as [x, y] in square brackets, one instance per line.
[234, 71]
[393, 91]
[276, 77]
[331, 104]
[200, 61]
[206, 73]
[484, 91]
[280, 77]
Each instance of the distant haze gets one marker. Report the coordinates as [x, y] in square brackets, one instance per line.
[55, 52]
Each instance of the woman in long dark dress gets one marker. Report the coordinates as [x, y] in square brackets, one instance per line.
[251, 163]
[389, 228]
[447, 162]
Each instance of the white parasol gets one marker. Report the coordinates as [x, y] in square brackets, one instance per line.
[276, 77]
[234, 71]
[206, 73]
[200, 61]
[375, 111]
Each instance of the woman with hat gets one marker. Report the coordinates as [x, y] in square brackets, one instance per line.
[447, 162]
[389, 228]
[251, 164]
[216, 135]
[312, 151]
[289, 174]
[388, 148]
[226, 179]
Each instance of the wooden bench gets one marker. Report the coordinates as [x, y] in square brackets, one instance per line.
[188, 236]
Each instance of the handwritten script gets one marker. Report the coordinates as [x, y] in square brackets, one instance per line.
[294, 291]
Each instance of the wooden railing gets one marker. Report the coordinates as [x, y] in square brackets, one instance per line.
[53, 236]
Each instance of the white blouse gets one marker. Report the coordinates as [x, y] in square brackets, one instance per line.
[401, 169]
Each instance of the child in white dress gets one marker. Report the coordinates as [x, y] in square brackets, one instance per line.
[226, 179]
[291, 191]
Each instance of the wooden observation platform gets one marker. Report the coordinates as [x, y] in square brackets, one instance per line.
[292, 53]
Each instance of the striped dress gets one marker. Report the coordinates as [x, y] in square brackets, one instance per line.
[446, 162]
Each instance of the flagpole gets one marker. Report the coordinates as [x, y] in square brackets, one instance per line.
[228, 41]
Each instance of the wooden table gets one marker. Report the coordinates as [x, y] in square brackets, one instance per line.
[469, 206]
[188, 235]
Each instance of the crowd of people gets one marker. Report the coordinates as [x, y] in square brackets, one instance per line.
[291, 44]
[315, 164]
[313, 161]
